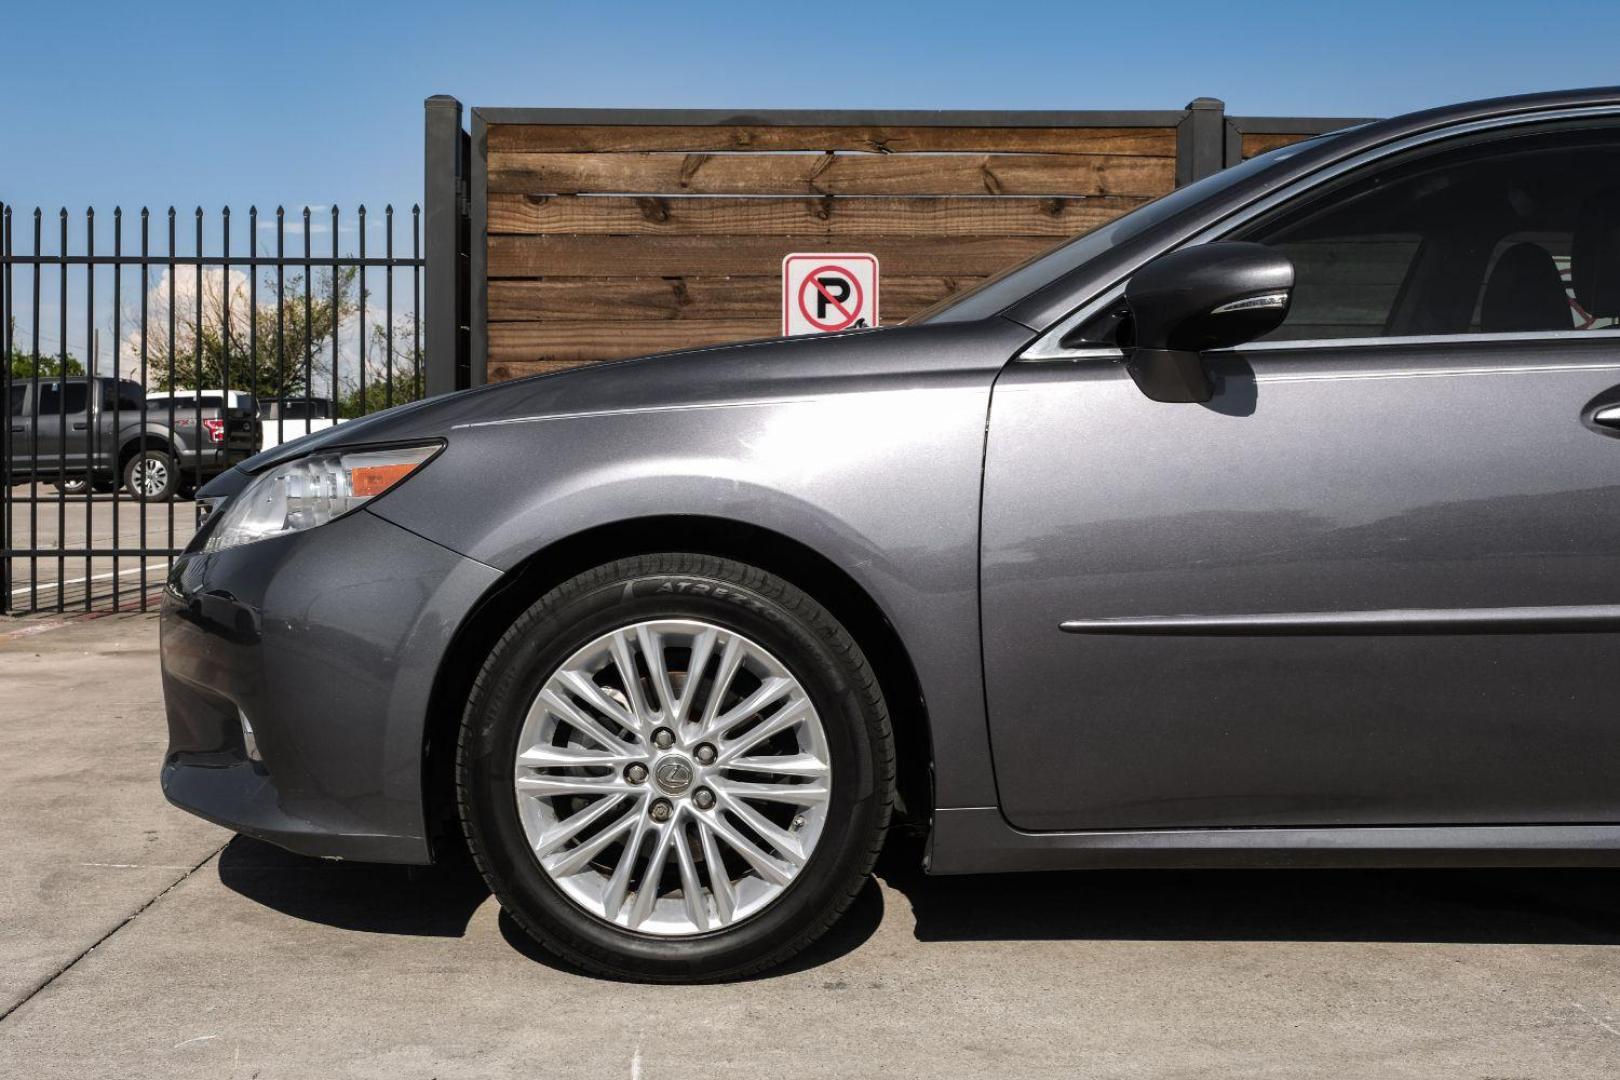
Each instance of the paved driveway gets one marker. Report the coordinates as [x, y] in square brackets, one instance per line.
[45, 521]
[138, 941]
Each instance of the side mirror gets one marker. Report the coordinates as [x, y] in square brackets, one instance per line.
[1212, 296]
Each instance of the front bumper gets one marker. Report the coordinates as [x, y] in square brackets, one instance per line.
[328, 643]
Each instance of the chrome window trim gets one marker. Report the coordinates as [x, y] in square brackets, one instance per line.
[1112, 353]
[1048, 346]
[1551, 336]
[1035, 354]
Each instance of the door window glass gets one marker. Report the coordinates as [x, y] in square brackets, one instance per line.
[51, 401]
[17, 393]
[1346, 286]
[1512, 235]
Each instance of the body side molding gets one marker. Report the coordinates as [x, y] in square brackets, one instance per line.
[1583, 618]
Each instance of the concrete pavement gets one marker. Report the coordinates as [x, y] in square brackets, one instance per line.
[138, 941]
[43, 520]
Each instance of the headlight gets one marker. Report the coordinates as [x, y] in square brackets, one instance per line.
[311, 491]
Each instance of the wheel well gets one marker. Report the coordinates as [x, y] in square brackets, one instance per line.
[135, 446]
[785, 557]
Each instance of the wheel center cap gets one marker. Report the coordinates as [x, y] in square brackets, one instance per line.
[673, 775]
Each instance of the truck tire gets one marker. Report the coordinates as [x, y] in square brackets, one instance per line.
[152, 476]
[75, 485]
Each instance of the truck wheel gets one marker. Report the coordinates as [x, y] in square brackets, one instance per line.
[676, 768]
[74, 485]
[152, 476]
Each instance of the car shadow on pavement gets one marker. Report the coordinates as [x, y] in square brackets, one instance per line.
[858, 923]
[432, 901]
[439, 901]
[1517, 906]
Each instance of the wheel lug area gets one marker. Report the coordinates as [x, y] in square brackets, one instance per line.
[660, 810]
[636, 773]
[703, 798]
[663, 738]
[705, 754]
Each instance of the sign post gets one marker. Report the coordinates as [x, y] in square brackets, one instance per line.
[823, 293]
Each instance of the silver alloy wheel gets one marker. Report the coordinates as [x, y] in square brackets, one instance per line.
[151, 476]
[672, 777]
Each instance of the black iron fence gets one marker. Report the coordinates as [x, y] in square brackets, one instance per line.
[145, 352]
[144, 356]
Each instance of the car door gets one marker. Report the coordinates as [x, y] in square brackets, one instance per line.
[1374, 580]
[18, 425]
[61, 422]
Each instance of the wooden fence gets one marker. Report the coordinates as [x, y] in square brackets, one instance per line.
[601, 234]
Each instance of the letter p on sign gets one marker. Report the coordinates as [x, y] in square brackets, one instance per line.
[823, 293]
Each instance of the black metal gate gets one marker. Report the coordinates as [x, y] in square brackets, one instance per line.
[144, 356]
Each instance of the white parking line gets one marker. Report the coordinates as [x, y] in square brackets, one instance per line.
[43, 585]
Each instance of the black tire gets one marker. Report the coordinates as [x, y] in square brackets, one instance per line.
[160, 459]
[801, 634]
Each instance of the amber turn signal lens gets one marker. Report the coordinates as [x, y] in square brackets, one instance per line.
[367, 481]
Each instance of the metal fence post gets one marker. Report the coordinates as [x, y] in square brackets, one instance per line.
[445, 242]
[1201, 140]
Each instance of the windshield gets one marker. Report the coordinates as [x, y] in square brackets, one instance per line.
[1001, 291]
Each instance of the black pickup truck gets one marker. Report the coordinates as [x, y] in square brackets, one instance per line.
[104, 432]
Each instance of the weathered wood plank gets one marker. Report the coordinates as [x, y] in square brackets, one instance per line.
[500, 371]
[1258, 142]
[621, 138]
[524, 342]
[828, 217]
[829, 174]
[624, 299]
[714, 256]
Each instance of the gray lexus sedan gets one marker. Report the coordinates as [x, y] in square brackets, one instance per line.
[1276, 523]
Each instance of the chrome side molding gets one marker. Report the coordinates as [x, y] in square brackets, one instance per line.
[1580, 618]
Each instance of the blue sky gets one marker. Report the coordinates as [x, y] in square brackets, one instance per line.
[320, 104]
[297, 102]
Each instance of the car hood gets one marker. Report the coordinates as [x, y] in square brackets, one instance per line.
[928, 355]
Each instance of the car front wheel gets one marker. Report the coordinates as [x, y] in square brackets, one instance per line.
[676, 768]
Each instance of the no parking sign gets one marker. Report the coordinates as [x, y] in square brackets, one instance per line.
[823, 293]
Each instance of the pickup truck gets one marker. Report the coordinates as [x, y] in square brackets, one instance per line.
[102, 432]
[286, 419]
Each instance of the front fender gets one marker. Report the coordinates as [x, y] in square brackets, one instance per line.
[883, 481]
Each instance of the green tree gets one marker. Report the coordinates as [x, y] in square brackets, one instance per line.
[50, 365]
[246, 341]
[385, 385]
